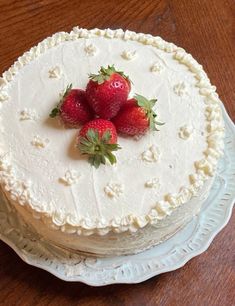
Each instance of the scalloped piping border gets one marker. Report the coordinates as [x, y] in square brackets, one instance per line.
[19, 191]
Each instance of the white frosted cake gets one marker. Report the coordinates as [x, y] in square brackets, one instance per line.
[159, 181]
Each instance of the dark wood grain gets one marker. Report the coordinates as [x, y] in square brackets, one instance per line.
[204, 28]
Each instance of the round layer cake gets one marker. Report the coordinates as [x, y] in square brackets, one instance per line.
[160, 180]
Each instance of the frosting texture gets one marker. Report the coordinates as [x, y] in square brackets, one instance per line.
[36, 154]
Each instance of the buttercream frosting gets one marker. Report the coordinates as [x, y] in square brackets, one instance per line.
[180, 89]
[152, 154]
[28, 114]
[153, 183]
[114, 190]
[39, 142]
[90, 49]
[55, 72]
[70, 177]
[88, 209]
[185, 131]
[129, 55]
[156, 67]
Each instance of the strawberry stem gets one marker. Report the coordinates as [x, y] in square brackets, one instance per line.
[56, 110]
[105, 74]
[98, 148]
[148, 105]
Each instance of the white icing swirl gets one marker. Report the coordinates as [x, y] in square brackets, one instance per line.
[206, 166]
[156, 67]
[185, 131]
[55, 73]
[114, 190]
[28, 114]
[163, 209]
[129, 55]
[3, 82]
[71, 177]
[5, 165]
[180, 89]
[90, 49]
[39, 142]
[153, 183]
[3, 96]
[151, 155]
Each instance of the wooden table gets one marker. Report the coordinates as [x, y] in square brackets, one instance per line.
[204, 28]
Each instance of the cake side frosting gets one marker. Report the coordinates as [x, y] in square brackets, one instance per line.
[23, 191]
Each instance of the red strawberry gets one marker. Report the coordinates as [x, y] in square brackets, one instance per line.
[97, 139]
[136, 116]
[73, 108]
[107, 91]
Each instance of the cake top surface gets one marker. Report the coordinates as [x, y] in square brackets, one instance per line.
[41, 168]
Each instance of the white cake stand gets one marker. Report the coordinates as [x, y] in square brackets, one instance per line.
[170, 255]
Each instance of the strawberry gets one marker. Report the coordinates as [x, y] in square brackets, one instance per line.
[136, 116]
[107, 91]
[73, 108]
[97, 139]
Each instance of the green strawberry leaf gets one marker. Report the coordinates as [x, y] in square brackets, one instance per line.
[112, 158]
[104, 74]
[67, 90]
[148, 105]
[56, 110]
[159, 123]
[98, 149]
[106, 137]
[92, 135]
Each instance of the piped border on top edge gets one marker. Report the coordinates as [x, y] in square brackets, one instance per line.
[19, 191]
